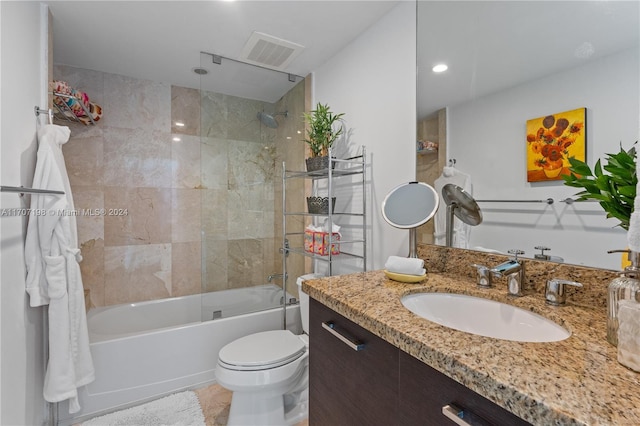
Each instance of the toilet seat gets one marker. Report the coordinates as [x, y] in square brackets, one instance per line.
[262, 351]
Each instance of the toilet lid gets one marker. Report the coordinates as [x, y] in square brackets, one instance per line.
[260, 351]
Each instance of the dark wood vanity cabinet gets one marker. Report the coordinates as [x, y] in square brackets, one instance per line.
[349, 387]
[423, 391]
[380, 384]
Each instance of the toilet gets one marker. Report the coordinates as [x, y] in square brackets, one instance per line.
[268, 373]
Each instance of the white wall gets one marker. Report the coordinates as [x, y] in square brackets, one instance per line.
[487, 138]
[22, 86]
[373, 81]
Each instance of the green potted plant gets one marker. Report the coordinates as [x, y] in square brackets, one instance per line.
[612, 185]
[324, 127]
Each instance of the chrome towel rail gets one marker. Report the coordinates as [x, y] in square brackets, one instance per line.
[575, 200]
[23, 190]
[547, 201]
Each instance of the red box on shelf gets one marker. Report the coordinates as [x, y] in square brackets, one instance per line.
[318, 243]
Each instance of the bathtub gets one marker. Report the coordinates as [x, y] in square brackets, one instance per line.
[142, 351]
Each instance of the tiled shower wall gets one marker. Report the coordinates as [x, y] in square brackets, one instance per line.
[205, 202]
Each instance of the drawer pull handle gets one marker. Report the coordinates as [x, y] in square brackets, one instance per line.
[329, 326]
[461, 417]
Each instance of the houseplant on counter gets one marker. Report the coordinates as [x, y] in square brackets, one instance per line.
[612, 185]
[324, 127]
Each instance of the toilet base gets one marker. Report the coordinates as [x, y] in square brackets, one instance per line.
[256, 409]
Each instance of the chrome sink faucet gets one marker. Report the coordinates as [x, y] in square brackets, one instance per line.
[513, 269]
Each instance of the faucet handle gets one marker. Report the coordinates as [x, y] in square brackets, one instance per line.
[554, 292]
[515, 253]
[541, 255]
[483, 275]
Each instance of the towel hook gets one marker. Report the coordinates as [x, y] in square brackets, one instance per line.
[39, 111]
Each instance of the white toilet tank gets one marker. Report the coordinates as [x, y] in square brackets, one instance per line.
[304, 300]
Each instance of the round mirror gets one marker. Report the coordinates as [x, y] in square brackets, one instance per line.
[410, 205]
[465, 207]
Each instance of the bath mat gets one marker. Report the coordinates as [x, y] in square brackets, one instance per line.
[180, 409]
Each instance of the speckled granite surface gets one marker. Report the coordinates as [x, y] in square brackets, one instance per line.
[575, 381]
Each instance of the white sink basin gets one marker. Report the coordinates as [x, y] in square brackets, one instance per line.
[484, 317]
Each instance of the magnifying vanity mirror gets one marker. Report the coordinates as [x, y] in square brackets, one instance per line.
[510, 62]
[461, 205]
[408, 206]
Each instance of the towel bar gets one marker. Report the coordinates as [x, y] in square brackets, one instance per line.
[22, 190]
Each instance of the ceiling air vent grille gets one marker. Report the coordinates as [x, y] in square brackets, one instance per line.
[268, 51]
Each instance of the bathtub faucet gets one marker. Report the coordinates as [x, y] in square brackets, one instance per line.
[272, 276]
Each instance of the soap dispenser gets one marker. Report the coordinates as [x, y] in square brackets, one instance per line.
[625, 287]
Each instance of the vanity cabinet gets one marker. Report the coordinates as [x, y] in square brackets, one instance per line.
[424, 391]
[380, 384]
[347, 386]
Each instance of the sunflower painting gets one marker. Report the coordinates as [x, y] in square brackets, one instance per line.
[551, 141]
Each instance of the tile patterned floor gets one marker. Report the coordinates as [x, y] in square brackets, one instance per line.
[215, 402]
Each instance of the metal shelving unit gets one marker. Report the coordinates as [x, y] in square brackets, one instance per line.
[353, 166]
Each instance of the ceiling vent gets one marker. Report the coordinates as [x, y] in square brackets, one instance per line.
[269, 51]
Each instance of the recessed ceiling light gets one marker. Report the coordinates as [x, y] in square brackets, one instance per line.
[179, 124]
[440, 68]
[176, 139]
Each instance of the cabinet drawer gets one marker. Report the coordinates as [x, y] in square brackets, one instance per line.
[424, 391]
[347, 386]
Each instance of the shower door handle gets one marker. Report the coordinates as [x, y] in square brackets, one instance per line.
[356, 346]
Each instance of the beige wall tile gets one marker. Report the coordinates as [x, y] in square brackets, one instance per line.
[185, 108]
[83, 157]
[215, 214]
[214, 163]
[137, 158]
[185, 162]
[148, 218]
[250, 163]
[137, 273]
[245, 264]
[186, 262]
[185, 215]
[214, 255]
[246, 213]
[92, 270]
[242, 119]
[129, 161]
[133, 103]
[213, 115]
[90, 227]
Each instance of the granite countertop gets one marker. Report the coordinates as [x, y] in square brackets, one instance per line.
[574, 381]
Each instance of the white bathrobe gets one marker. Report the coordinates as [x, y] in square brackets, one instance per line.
[53, 273]
[461, 231]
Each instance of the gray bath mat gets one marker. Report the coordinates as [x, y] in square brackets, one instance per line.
[180, 409]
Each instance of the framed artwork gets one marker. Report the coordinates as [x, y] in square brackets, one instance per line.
[552, 140]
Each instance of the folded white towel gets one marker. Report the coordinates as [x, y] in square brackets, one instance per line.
[629, 334]
[405, 265]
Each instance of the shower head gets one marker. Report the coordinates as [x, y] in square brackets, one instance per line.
[269, 120]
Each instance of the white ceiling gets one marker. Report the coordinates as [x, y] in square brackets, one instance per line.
[162, 40]
[489, 46]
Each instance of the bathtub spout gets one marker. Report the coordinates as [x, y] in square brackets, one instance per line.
[272, 276]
